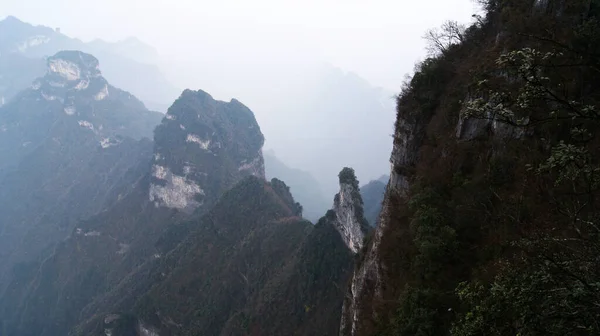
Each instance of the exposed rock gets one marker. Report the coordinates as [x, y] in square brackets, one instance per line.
[194, 162]
[472, 128]
[367, 276]
[179, 180]
[348, 208]
[64, 155]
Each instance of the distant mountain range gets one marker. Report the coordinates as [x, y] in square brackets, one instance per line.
[109, 234]
[68, 143]
[317, 118]
[128, 64]
[325, 119]
[117, 220]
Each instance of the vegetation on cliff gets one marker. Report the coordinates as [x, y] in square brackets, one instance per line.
[498, 233]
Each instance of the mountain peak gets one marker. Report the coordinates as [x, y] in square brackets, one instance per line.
[72, 74]
[73, 65]
[203, 146]
[11, 19]
[347, 214]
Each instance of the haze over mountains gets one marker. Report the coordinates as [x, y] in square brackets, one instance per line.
[328, 103]
[117, 220]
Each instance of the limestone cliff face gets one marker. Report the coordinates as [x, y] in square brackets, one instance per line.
[203, 147]
[67, 143]
[434, 141]
[348, 208]
[366, 281]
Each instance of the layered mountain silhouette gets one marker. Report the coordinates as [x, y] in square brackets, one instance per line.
[303, 186]
[172, 265]
[324, 119]
[372, 194]
[116, 220]
[127, 64]
[250, 265]
[202, 148]
[68, 143]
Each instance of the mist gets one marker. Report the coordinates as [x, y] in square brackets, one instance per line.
[320, 76]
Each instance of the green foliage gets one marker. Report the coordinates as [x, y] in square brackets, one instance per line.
[418, 314]
[434, 239]
[348, 176]
[502, 237]
[550, 284]
[528, 303]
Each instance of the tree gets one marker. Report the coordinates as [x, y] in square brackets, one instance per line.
[439, 40]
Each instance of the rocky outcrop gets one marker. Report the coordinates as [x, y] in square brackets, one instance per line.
[68, 143]
[348, 208]
[203, 146]
[366, 282]
[72, 96]
[202, 149]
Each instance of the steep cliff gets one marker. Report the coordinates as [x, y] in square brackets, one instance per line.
[489, 222]
[202, 148]
[68, 143]
[250, 265]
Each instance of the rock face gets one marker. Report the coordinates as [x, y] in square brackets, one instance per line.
[348, 209]
[202, 146]
[220, 267]
[249, 265]
[202, 149]
[68, 143]
[366, 282]
[72, 92]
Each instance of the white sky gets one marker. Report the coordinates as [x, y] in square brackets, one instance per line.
[378, 39]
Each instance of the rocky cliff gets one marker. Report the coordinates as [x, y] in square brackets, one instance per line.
[472, 236]
[69, 142]
[349, 214]
[202, 148]
[250, 265]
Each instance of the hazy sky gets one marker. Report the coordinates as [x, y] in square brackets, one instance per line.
[378, 39]
[263, 52]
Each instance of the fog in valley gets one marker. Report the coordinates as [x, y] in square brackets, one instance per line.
[184, 167]
[321, 76]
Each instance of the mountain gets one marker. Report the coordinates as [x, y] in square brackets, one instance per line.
[304, 187]
[372, 195]
[69, 143]
[202, 148]
[490, 217]
[336, 119]
[124, 62]
[16, 73]
[250, 265]
[322, 119]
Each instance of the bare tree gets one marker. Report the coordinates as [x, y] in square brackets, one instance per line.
[439, 40]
